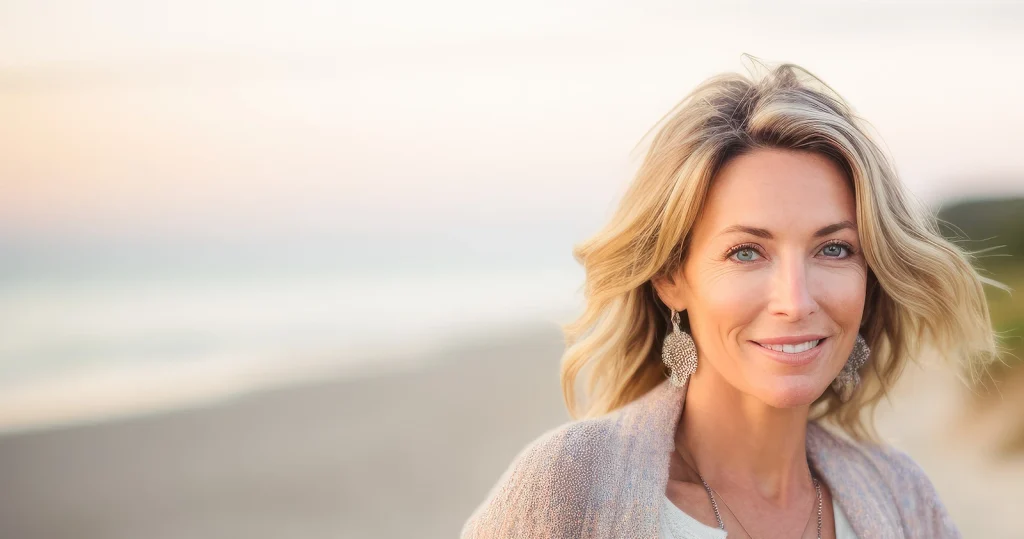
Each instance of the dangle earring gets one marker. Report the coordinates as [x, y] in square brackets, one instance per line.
[846, 383]
[679, 353]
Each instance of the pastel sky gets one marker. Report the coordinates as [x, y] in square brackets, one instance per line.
[237, 119]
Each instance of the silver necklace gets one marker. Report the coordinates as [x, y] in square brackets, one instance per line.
[714, 504]
[718, 516]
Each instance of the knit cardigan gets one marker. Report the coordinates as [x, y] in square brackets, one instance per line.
[606, 477]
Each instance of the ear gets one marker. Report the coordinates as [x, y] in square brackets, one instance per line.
[670, 290]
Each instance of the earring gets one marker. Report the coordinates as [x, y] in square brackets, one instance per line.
[846, 383]
[679, 352]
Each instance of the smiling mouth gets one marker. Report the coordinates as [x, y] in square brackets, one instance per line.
[792, 348]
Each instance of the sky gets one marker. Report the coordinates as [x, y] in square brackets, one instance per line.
[282, 123]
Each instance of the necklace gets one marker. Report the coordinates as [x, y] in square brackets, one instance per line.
[714, 504]
[816, 487]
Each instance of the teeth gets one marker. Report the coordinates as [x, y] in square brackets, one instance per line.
[792, 348]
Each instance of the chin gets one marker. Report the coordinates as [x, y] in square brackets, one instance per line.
[790, 392]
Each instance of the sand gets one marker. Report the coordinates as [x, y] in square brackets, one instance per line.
[399, 455]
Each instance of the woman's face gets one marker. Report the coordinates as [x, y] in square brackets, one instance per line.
[775, 256]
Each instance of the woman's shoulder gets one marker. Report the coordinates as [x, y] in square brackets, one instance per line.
[863, 466]
[546, 482]
[898, 466]
[562, 451]
[887, 460]
[914, 490]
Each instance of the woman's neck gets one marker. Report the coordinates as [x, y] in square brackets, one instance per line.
[739, 442]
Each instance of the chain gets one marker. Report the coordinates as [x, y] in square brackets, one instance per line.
[817, 489]
[714, 504]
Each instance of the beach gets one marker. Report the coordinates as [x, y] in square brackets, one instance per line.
[390, 455]
[400, 455]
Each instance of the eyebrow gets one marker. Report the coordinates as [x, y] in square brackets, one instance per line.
[764, 233]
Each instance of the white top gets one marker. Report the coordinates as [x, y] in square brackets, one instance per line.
[677, 524]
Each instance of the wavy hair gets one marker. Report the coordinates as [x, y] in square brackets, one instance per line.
[923, 291]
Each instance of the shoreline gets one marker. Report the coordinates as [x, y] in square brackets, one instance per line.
[99, 394]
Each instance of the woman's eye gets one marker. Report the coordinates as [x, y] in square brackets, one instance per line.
[746, 254]
[834, 250]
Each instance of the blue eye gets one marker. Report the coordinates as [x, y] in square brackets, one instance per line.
[744, 253]
[836, 248]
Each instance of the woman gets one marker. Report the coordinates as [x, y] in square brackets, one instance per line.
[764, 281]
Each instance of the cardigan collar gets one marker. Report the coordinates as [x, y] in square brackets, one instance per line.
[844, 467]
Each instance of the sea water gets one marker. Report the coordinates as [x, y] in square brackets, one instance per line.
[81, 345]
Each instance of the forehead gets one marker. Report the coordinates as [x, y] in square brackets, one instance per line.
[787, 192]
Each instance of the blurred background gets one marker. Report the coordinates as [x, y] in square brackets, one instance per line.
[296, 269]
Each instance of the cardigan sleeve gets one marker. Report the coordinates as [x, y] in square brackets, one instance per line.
[540, 494]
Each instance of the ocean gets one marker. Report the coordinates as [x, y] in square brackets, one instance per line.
[84, 345]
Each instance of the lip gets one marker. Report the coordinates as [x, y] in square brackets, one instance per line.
[795, 360]
[795, 339]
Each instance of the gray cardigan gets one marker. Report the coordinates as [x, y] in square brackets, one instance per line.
[606, 476]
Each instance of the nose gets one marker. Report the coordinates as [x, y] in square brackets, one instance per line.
[792, 295]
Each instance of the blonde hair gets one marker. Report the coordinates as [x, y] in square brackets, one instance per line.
[922, 289]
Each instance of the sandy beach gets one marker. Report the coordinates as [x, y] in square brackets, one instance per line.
[398, 455]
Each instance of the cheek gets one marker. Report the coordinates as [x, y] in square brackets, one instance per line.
[733, 297]
[842, 294]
